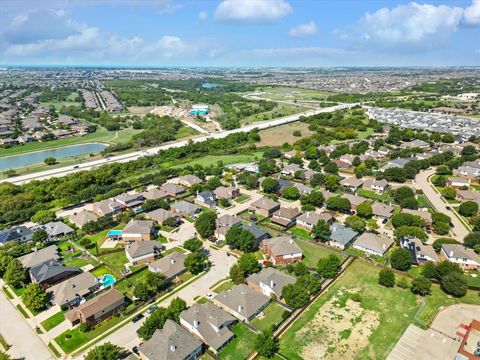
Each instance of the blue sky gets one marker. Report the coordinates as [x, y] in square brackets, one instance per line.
[240, 32]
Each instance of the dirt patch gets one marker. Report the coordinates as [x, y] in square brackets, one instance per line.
[279, 135]
[339, 330]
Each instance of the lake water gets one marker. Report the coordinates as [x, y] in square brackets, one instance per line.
[209, 85]
[16, 161]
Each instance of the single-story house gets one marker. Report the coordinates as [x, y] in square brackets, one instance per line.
[281, 250]
[290, 169]
[17, 233]
[171, 342]
[382, 211]
[309, 219]
[270, 281]
[285, 216]
[57, 229]
[351, 183]
[425, 215]
[172, 190]
[459, 182]
[142, 252]
[258, 233]
[242, 302]
[224, 223]
[229, 193]
[341, 236]
[459, 254]
[185, 208]
[37, 257]
[170, 266]
[98, 308]
[82, 218]
[52, 272]
[160, 215]
[354, 200]
[107, 207]
[130, 200]
[373, 244]
[264, 206]
[138, 230]
[72, 291]
[189, 180]
[154, 194]
[209, 323]
[420, 253]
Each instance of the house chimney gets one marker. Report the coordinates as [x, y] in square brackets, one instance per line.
[291, 241]
[384, 246]
[240, 309]
[173, 348]
[272, 284]
[196, 323]
[451, 253]
[172, 261]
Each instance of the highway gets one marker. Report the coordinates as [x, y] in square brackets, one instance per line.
[59, 172]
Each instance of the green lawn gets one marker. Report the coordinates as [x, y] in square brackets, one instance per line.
[394, 309]
[227, 285]
[102, 271]
[312, 253]
[272, 315]
[242, 198]
[116, 260]
[54, 350]
[22, 311]
[423, 202]
[80, 262]
[301, 233]
[100, 237]
[209, 160]
[67, 249]
[241, 346]
[369, 194]
[53, 320]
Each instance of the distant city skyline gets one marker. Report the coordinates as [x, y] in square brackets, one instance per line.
[243, 33]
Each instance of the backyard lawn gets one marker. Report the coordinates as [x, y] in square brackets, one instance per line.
[241, 346]
[369, 194]
[80, 262]
[67, 249]
[54, 320]
[301, 233]
[312, 253]
[116, 260]
[272, 316]
[373, 317]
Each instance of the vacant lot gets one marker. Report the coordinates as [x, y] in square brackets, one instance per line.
[279, 135]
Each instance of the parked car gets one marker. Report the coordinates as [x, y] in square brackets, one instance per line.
[151, 309]
[137, 318]
[209, 295]
[76, 167]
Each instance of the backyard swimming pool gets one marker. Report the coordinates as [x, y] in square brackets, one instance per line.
[107, 280]
[114, 233]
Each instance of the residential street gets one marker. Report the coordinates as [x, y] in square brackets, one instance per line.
[459, 230]
[16, 331]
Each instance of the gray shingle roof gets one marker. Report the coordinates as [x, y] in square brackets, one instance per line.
[272, 278]
[50, 269]
[282, 245]
[169, 266]
[341, 234]
[377, 243]
[243, 300]
[40, 256]
[141, 248]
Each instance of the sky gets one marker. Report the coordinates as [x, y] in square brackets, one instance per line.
[248, 33]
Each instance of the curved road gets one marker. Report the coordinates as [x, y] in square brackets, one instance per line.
[459, 230]
[153, 151]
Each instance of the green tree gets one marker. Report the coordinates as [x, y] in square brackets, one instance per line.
[5, 356]
[193, 245]
[266, 345]
[141, 291]
[321, 231]
[402, 193]
[441, 228]
[154, 281]
[15, 274]
[291, 193]
[35, 297]
[429, 270]
[468, 208]
[50, 160]
[331, 182]
[364, 210]
[446, 267]
[40, 236]
[338, 203]
[421, 286]
[401, 259]
[206, 224]
[270, 185]
[249, 264]
[472, 239]
[237, 275]
[106, 351]
[449, 193]
[386, 278]
[310, 282]
[196, 262]
[437, 244]
[314, 198]
[454, 284]
[295, 295]
[410, 232]
[240, 238]
[329, 266]
[356, 223]
[43, 216]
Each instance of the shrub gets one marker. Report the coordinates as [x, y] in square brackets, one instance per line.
[454, 284]
[386, 278]
[421, 286]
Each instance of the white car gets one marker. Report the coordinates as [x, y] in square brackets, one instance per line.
[209, 295]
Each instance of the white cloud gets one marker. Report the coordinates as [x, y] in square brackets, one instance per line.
[300, 51]
[252, 10]
[409, 25]
[303, 30]
[471, 15]
[202, 15]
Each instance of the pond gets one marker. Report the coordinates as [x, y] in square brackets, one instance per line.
[16, 161]
[209, 85]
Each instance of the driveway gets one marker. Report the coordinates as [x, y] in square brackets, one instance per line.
[14, 328]
[459, 231]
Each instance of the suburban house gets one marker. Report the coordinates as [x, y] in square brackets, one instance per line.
[382, 211]
[270, 281]
[171, 342]
[52, 272]
[205, 198]
[154, 194]
[209, 323]
[82, 218]
[290, 169]
[37, 257]
[308, 174]
[281, 250]
[189, 180]
[142, 252]
[420, 253]
[354, 200]
[310, 218]
[160, 215]
[425, 215]
[229, 193]
[351, 183]
[138, 230]
[130, 200]
[379, 186]
[172, 190]
[264, 206]
[341, 236]
[72, 291]
[415, 144]
[303, 189]
[185, 208]
[97, 309]
[373, 244]
[224, 223]
[242, 302]
[258, 233]
[283, 183]
[107, 207]
[457, 253]
[459, 182]
[468, 195]
[56, 229]
[17, 233]
[285, 216]
[170, 266]
[291, 154]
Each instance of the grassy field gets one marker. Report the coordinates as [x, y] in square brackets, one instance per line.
[359, 319]
[277, 136]
[279, 111]
[53, 320]
[208, 160]
[369, 194]
[116, 260]
[312, 253]
[272, 315]
[80, 262]
[301, 233]
[241, 345]
[288, 93]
